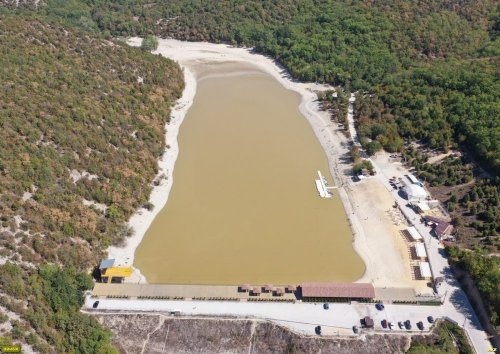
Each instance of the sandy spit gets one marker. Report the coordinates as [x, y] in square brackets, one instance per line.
[192, 55]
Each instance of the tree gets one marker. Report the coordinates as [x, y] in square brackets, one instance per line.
[372, 147]
[149, 43]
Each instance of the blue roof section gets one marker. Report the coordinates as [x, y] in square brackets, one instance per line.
[106, 263]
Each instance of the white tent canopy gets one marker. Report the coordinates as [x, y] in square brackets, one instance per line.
[415, 193]
[420, 248]
[414, 234]
[425, 269]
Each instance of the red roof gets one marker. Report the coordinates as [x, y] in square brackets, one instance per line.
[256, 290]
[442, 227]
[336, 290]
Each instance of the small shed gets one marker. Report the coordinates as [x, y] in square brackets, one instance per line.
[425, 269]
[413, 179]
[420, 250]
[291, 288]
[279, 291]
[268, 288]
[414, 234]
[422, 207]
[106, 263]
[256, 291]
[245, 288]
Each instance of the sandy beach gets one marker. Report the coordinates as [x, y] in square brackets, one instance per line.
[380, 260]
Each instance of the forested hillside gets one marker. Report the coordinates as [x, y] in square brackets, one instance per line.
[433, 65]
[81, 130]
[425, 71]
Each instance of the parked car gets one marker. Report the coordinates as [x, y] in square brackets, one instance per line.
[379, 306]
[384, 323]
[318, 330]
[326, 306]
[391, 325]
[420, 325]
[355, 329]
[430, 319]
[401, 325]
[96, 303]
[408, 324]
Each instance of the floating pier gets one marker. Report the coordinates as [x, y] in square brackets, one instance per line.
[321, 186]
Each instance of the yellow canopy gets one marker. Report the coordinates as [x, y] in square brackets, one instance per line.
[118, 272]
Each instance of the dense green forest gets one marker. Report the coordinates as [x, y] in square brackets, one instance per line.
[81, 130]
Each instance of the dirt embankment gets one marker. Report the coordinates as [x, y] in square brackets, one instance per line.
[144, 333]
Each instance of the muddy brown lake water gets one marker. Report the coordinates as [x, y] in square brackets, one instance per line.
[243, 206]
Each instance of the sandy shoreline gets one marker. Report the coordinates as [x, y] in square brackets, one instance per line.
[192, 55]
[142, 218]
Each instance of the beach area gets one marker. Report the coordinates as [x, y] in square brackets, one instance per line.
[375, 238]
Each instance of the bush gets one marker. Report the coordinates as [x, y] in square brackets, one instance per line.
[149, 43]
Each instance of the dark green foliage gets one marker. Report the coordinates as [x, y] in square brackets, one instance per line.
[447, 338]
[485, 272]
[449, 172]
[483, 200]
[337, 104]
[360, 166]
[149, 43]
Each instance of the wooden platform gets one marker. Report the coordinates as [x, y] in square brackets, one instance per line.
[172, 291]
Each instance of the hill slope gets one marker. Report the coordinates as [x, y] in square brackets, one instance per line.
[81, 129]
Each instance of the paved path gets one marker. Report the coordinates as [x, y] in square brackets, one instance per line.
[350, 120]
[300, 317]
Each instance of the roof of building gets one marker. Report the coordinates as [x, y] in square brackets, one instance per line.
[106, 263]
[413, 179]
[433, 219]
[414, 191]
[117, 272]
[256, 290]
[425, 269]
[424, 206]
[420, 249]
[291, 287]
[338, 290]
[442, 227]
[414, 234]
[268, 287]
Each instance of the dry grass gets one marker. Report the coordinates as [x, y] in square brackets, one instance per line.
[144, 333]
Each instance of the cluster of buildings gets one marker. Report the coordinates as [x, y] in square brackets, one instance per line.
[419, 253]
[420, 200]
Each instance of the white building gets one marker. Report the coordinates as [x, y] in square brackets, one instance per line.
[414, 193]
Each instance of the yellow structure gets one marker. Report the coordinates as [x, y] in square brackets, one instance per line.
[112, 274]
[117, 272]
